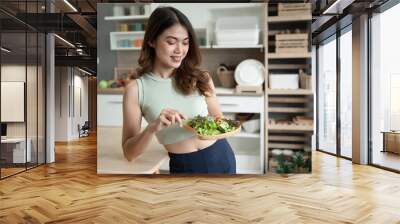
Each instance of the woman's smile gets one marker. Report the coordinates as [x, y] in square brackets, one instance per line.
[176, 59]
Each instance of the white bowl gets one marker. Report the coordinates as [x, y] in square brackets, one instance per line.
[276, 152]
[251, 125]
[287, 152]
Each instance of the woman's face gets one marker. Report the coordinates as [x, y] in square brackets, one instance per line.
[172, 46]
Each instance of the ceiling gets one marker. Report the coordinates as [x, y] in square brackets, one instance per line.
[78, 24]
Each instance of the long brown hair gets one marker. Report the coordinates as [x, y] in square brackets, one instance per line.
[188, 78]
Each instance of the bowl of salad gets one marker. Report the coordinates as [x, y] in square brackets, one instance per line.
[207, 127]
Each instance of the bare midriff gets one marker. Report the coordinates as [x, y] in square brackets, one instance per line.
[188, 145]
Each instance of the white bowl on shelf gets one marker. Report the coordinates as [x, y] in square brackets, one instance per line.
[287, 152]
[276, 152]
[251, 126]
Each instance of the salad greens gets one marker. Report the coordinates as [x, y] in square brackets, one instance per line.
[206, 125]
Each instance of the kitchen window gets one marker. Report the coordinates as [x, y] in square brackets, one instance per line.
[385, 89]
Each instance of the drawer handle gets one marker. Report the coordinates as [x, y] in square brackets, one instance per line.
[115, 102]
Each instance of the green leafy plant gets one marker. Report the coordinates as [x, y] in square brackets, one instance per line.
[297, 163]
[284, 166]
[206, 125]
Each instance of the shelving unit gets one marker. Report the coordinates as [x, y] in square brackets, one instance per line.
[289, 55]
[290, 92]
[288, 109]
[291, 128]
[297, 18]
[288, 66]
[284, 104]
[128, 36]
[129, 29]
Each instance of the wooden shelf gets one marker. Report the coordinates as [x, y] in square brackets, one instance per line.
[294, 128]
[289, 110]
[121, 18]
[221, 91]
[290, 92]
[289, 55]
[243, 134]
[285, 146]
[283, 19]
[287, 66]
[277, 99]
[286, 138]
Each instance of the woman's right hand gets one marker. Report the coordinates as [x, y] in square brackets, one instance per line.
[167, 118]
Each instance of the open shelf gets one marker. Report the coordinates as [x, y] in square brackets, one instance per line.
[243, 134]
[294, 128]
[287, 66]
[286, 138]
[288, 42]
[128, 36]
[289, 55]
[286, 146]
[280, 99]
[290, 92]
[131, 17]
[297, 18]
[289, 110]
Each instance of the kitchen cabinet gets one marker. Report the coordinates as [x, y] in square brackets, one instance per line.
[109, 110]
[248, 147]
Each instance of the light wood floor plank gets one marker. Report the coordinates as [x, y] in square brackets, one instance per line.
[70, 191]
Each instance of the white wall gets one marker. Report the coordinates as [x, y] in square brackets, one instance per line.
[17, 73]
[61, 103]
[79, 117]
[67, 114]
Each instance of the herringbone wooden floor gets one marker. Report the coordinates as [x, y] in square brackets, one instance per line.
[70, 191]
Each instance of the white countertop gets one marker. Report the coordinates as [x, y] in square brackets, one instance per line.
[110, 158]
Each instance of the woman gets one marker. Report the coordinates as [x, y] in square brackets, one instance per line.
[170, 89]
